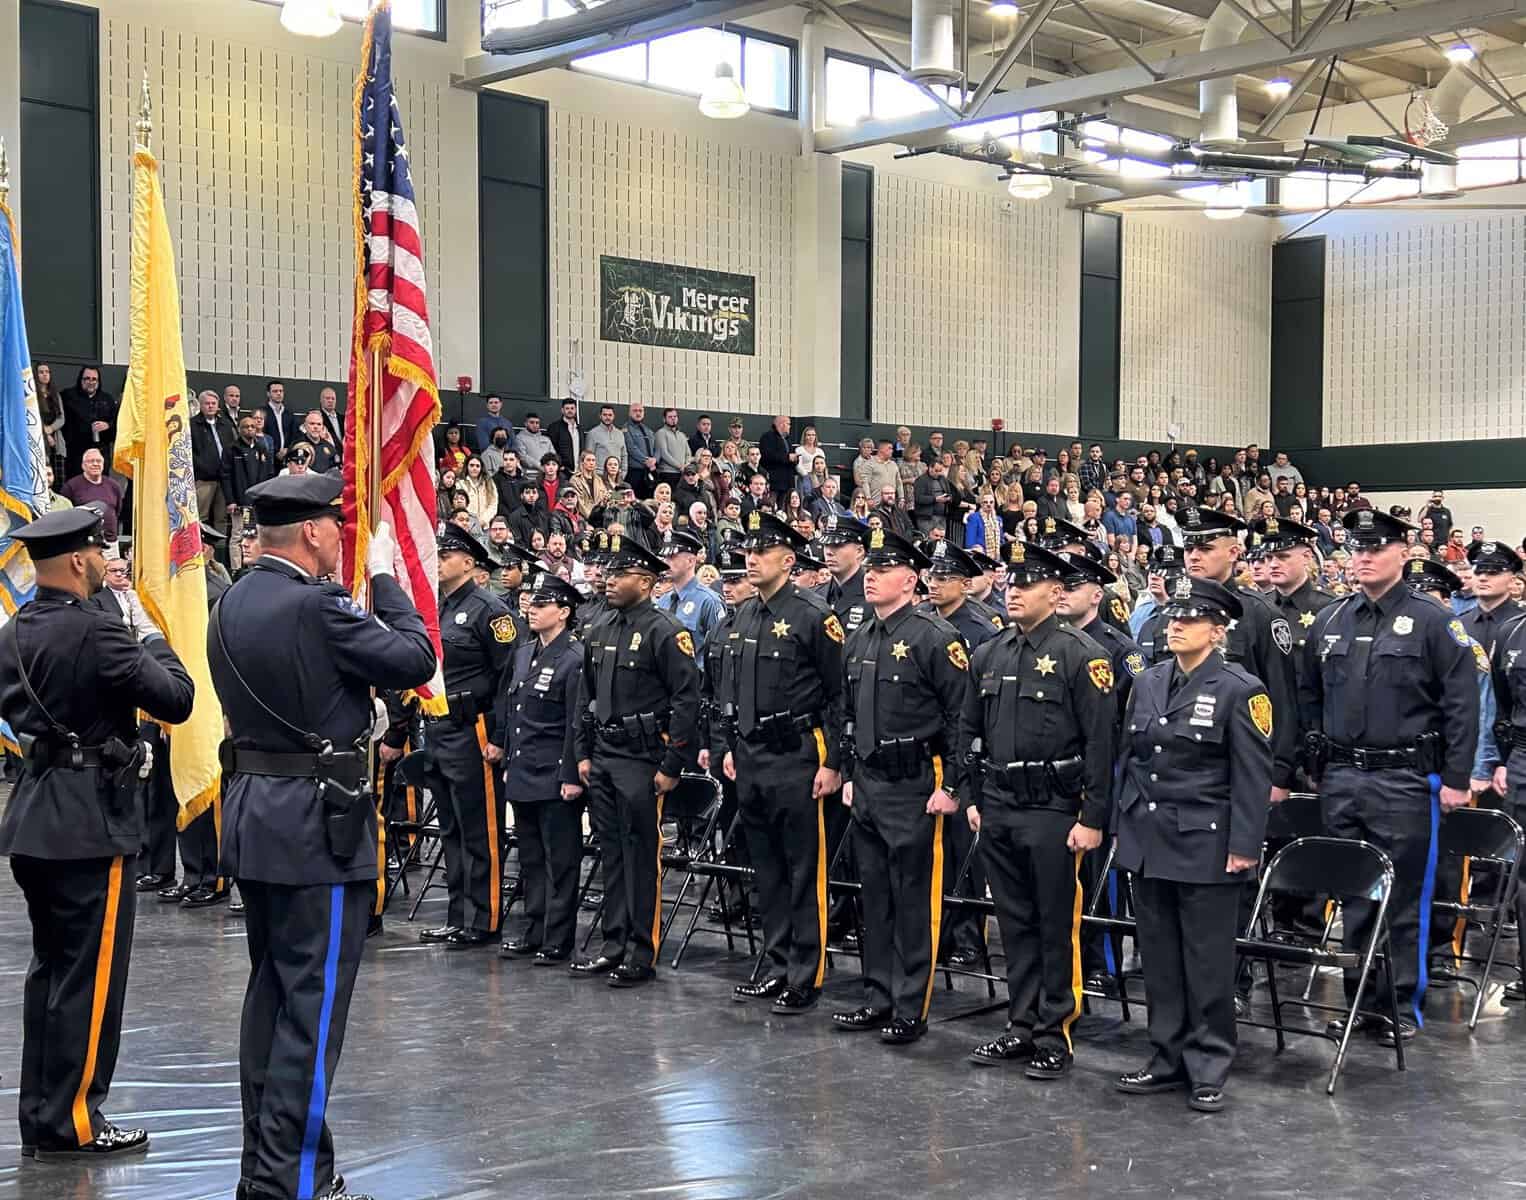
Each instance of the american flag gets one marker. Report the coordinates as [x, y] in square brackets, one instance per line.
[392, 318]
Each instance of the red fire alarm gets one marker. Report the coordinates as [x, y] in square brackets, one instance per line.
[463, 383]
[997, 424]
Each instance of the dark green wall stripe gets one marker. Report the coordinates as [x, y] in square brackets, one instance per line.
[1101, 323]
[856, 376]
[1298, 342]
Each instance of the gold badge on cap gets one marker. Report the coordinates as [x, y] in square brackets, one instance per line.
[1271, 525]
[755, 520]
[1184, 588]
[614, 543]
[877, 540]
[1016, 557]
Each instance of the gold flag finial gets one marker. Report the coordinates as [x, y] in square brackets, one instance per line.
[144, 125]
[5, 173]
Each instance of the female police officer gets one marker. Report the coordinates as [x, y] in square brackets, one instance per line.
[1192, 803]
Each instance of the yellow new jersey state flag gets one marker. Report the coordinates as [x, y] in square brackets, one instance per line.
[154, 448]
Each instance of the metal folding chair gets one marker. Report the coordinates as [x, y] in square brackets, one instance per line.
[1114, 926]
[1481, 834]
[1343, 869]
[697, 801]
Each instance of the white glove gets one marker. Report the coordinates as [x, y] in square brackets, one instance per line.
[381, 551]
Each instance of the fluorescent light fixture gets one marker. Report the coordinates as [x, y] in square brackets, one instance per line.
[1226, 203]
[1026, 186]
[1458, 53]
[723, 98]
[1279, 88]
[311, 18]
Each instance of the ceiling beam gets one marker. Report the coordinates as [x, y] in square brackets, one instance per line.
[1070, 95]
[1507, 31]
[1394, 68]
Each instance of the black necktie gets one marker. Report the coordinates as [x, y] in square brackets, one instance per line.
[865, 736]
[604, 702]
[747, 700]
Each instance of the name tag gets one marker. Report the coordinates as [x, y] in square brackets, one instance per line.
[543, 683]
[1202, 711]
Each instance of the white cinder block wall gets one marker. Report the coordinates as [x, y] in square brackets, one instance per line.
[1501, 511]
[1197, 326]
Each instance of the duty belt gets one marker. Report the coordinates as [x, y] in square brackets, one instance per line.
[347, 765]
[764, 730]
[1037, 782]
[461, 706]
[899, 758]
[66, 758]
[1372, 758]
[1506, 733]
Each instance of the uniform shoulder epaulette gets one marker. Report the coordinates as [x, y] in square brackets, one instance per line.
[1244, 676]
[816, 601]
[1087, 641]
[943, 627]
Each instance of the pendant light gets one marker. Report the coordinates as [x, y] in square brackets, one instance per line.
[723, 98]
[311, 18]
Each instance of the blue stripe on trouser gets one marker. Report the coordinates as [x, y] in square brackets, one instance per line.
[1427, 894]
[1111, 883]
[318, 1101]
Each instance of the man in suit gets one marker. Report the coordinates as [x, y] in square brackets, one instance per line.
[567, 438]
[211, 433]
[280, 421]
[778, 460]
[333, 419]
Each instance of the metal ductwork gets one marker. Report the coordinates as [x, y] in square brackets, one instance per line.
[589, 21]
[1217, 103]
[932, 42]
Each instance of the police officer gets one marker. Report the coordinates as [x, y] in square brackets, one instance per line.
[533, 741]
[906, 676]
[1037, 722]
[846, 539]
[1195, 773]
[293, 659]
[1148, 621]
[1508, 669]
[636, 732]
[691, 603]
[985, 589]
[1065, 537]
[731, 564]
[948, 578]
[479, 636]
[1258, 558]
[778, 737]
[1288, 550]
[1388, 687]
[71, 681]
[594, 605]
[1495, 566]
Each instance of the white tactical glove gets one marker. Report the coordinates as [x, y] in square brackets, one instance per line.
[381, 551]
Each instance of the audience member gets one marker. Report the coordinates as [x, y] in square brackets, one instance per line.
[90, 420]
[211, 434]
[641, 449]
[566, 437]
[672, 448]
[607, 442]
[491, 420]
[530, 443]
[94, 487]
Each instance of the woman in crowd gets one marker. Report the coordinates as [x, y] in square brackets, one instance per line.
[1062, 463]
[454, 456]
[860, 505]
[805, 455]
[1075, 507]
[1190, 818]
[730, 461]
[442, 496]
[588, 487]
[50, 408]
[481, 492]
[611, 475]
[818, 476]
[962, 503]
[911, 469]
[982, 530]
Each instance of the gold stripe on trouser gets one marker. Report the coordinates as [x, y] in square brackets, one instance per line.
[1461, 925]
[495, 870]
[103, 956]
[821, 866]
[381, 844]
[937, 771]
[1075, 961]
[657, 902]
[935, 899]
[217, 833]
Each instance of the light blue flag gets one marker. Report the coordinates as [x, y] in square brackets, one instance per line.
[23, 460]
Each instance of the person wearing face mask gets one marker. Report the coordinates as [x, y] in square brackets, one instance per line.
[72, 679]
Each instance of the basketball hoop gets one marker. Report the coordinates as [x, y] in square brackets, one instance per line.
[1429, 128]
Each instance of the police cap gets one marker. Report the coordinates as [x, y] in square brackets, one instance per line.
[628, 555]
[950, 560]
[1424, 575]
[1081, 569]
[1202, 598]
[455, 540]
[1367, 527]
[1493, 558]
[839, 530]
[550, 588]
[1027, 563]
[1199, 524]
[888, 548]
[292, 499]
[61, 532]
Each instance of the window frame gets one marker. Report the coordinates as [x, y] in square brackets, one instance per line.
[744, 32]
[441, 11]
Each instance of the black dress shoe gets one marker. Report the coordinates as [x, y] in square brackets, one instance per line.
[111, 1142]
[438, 935]
[600, 965]
[152, 883]
[520, 948]
[1242, 1007]
[337, 1192]
[629, 975]
[1103, 984]
[469, 939]
[203, 897]
[966, 958]
[374, 926]
[1147, 1083]
[1206, 1099]
[1407, 1031]
[902, 1031]
[861, 1018]
[1010, 1047]
[793, 1001]
[762, 990]
[1364, 1024]
[1048, 1062]
[173, 894]
[1514, 993]
[549, 957]
[236, 907]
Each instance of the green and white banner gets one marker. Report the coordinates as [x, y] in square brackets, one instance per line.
[659, 304]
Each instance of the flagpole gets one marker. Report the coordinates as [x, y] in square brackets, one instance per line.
[143, 129]
[374, 476]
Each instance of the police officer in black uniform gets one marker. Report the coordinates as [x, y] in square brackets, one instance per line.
[533, 741]
[1389, 692]
[1508, 670]
[636, 731]
[479, 635]
[1191, 815]
[1066, 537]
[731, 564]
[777, 734]
[846, 539]
[948, 579]
[1288, 547]
[906, 677]
[1494, 564]
[594, 606]
[1166, 566]
[983, 591]
[1037, 727]
[71, 682]
[293, 659]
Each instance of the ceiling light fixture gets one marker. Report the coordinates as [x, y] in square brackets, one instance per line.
[311, 18]
[1004, 9]
[1225, 204]
[1279, 88]
[723, 98]
[1025, 185]
[1458, 53]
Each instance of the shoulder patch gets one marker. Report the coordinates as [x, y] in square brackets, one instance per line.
[1100, 672]
[1261, 713]
[1282, 636]
[957, 656]
[833, 628]
[1119, 610]
[504, 629]
[351, 607]
[997, 622]
[1134, 664]
[1459, 634]
[685, 641]
[1481, 658]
